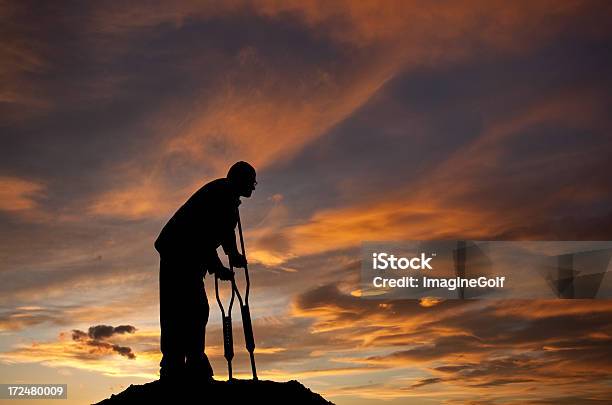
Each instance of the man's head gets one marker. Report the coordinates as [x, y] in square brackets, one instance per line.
[242, 177]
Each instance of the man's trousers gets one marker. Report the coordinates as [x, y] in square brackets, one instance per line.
[183, 314]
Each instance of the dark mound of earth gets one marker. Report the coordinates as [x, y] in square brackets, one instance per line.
[243, 392]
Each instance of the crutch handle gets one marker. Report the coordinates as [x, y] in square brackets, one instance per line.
[228, 339]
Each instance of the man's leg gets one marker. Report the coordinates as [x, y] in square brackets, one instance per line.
[171, 319]
[197, 362]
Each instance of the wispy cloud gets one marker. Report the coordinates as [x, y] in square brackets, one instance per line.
[20, 197]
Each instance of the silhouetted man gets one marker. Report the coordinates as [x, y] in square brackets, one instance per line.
[187, 246]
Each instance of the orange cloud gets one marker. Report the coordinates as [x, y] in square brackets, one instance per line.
[453, 347]
[263, 124]
[279, 112]
[133, 202]
[270, 120]
[461, 195]
[428, 302]
[20, 58]
[20, 197]
[18, 194]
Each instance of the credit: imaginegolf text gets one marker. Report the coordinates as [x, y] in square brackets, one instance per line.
[450, 284]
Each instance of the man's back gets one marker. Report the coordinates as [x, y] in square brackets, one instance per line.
[202, 223]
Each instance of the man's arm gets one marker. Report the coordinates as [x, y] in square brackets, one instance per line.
[231, 250]
[228, 241]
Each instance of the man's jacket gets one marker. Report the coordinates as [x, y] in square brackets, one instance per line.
[206, 221]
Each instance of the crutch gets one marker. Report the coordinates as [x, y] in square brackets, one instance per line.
[228, 340]
[249, 340]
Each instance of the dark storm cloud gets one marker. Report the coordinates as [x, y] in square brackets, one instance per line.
[121, 350]
[96, 337]
[106, 331]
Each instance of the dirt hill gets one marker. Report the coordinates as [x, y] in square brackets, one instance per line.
[218, 392]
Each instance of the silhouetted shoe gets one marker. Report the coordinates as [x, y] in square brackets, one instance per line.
[199, 371]
[199, 376]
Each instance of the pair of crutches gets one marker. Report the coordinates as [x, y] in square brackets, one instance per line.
[228, 340]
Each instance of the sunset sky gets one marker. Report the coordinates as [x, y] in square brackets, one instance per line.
[390, 121]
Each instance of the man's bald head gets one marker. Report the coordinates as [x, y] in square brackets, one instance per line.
[242, 176]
